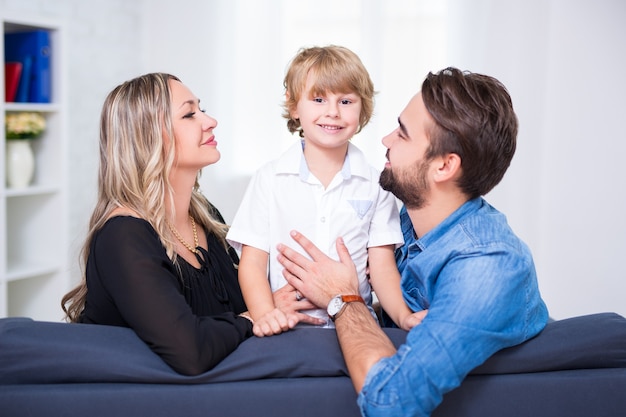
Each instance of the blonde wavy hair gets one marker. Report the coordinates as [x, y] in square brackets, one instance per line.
[135, 165]
[337, 69]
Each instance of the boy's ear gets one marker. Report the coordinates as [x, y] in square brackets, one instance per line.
[449, 167]
[292, 111]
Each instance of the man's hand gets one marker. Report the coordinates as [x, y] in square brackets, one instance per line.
[319, 278]
[286, 315]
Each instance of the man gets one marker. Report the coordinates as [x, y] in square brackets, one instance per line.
[461, 263]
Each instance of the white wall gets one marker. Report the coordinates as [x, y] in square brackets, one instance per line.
[561, 60]
[240, 51]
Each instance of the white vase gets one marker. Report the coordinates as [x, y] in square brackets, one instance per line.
[20, 163]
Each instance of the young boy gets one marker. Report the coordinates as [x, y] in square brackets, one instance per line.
[323, 187]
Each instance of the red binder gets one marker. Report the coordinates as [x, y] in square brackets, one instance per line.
[12, 72]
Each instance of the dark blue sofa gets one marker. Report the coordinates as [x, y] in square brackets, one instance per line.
[575, 367]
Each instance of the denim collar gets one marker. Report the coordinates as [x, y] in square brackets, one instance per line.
[469, 207]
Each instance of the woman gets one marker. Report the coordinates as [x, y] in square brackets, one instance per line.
[155, 255]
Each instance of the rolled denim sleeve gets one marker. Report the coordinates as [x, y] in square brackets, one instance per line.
[413, 382]
[390, 390]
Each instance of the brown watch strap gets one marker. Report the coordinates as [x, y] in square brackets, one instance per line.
[352, 298]
[348, 299]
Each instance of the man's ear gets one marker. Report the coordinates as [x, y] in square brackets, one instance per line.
[449, 167]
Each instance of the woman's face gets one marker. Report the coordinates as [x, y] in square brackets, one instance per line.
[195, 143]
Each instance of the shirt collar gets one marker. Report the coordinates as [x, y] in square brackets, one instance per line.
[293, 162]
[442, 228]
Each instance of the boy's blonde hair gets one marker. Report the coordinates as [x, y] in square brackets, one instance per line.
[337, 69]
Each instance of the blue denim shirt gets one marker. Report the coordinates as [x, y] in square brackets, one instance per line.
[478, 280]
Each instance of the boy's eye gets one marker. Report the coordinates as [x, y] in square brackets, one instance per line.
[346, 101]
[318, 99]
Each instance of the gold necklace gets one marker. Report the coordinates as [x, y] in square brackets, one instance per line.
[192, 249]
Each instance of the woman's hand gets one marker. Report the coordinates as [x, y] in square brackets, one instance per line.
[289, 302]
[278, 320]
[274, 322]
[288, 298]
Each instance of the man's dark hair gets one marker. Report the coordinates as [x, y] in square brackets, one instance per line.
[474, 119]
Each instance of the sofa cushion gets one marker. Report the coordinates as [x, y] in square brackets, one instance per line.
[583, 342]
[35, 352]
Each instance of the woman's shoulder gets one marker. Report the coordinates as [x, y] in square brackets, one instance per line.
[124, 212]
[126, 237]
[128, 225]
[121, 216]
[121, 220]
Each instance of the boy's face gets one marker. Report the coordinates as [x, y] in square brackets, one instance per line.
[328, 120]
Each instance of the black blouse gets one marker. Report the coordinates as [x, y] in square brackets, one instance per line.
[188, 316]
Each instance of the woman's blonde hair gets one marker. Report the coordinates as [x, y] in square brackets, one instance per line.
[135, 164]
[337, 69]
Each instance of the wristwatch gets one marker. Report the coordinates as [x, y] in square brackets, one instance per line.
[338, 303]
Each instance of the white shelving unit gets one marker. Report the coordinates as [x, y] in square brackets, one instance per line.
[34, 260]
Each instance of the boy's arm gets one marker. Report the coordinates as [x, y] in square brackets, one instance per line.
[385, 281]
[254, 283]
[268, 315]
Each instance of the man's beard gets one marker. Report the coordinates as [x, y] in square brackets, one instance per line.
[410, 185]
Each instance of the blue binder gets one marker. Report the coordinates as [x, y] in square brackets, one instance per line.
[32, 49]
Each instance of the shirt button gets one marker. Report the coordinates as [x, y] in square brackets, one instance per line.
[323, 219]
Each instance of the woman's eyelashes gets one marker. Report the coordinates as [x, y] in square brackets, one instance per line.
[193, 113]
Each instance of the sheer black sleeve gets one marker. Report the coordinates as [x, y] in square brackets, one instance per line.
[131, 282]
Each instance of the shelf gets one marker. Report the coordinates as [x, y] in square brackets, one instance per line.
[40, 107]
[34, 253]
[31, 270]
[33, 190]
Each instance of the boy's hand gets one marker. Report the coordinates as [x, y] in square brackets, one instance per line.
[412, 320]
[278, 321]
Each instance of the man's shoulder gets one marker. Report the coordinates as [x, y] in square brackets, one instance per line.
[486, 230]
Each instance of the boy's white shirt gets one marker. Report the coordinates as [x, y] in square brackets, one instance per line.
[283, 195]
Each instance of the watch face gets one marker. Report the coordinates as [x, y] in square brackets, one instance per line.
[334, 306]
